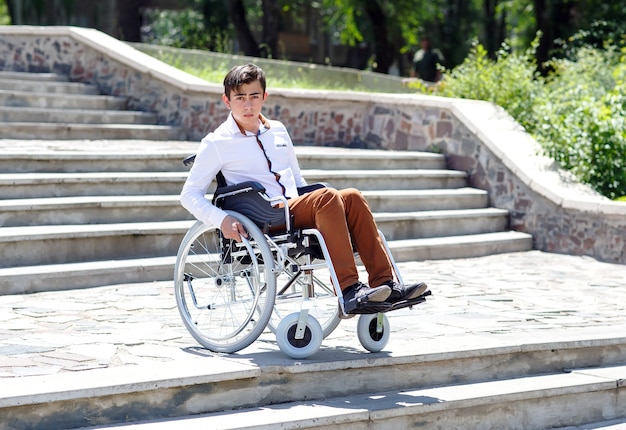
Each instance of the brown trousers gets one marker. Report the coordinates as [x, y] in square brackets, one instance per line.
[343, 217]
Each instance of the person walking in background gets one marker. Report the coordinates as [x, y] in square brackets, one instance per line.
[426, 62]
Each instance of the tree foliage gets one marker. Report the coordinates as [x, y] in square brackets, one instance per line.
[5, 17]
[581, 123]
[577, 112]
[203, 25]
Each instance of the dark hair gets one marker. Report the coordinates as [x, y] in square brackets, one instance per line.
[243, 74]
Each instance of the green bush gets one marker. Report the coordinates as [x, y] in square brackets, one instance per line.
[511, 82]
[582, 121]
[577, 113]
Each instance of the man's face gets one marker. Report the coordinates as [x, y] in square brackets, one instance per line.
[246, 103]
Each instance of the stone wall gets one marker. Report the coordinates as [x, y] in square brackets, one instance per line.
[476, 137]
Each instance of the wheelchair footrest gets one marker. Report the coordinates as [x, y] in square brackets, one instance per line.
[371, 308]
[375, 307]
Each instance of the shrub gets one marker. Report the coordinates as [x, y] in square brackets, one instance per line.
[510, 81]
[577, 113]
[582, 121]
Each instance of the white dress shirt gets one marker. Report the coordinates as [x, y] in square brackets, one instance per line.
[239, 157]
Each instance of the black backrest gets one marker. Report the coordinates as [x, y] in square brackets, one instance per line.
[249, 202]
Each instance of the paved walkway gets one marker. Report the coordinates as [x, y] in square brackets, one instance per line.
[480, 301]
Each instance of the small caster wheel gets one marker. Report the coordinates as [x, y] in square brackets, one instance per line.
[370, 338]
[299, 348]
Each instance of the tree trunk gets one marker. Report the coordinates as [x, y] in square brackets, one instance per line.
[247, 44]
[542, 18]
[491, 44]
[384, 49]
[554, 19]
[15, 20]
[453, 30]
[271, 25]
[129, 20]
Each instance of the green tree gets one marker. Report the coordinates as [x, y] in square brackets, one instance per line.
[204, 24]
[394, 28]
[564, 24]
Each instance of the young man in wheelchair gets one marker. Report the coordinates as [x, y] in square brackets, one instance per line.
[248, 146]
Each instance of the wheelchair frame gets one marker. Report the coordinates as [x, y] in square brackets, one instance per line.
[227, 293]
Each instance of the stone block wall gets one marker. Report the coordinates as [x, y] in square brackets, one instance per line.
[476, 137]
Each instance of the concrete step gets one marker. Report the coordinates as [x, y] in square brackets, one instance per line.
[44, 131]
[91, 210]
[471, 245]
[349, 159]
[399, 179]
[43, 86]
[34, 245]
[60, 101]
[536, 402]
[535, 385]
[74, 116]
[33, 185]
[86, 159]
[24, 278]
[28, 76]
[424, 200]
[425, 224]
[38, 185]
[89, 160]
[120, 209]
[67, 243]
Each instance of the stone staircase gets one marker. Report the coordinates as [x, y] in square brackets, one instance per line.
[47, 106]
[538, 385]
[86, 214]
[74, 219]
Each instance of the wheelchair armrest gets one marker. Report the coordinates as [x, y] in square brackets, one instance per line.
[188, 161]
[311, 187]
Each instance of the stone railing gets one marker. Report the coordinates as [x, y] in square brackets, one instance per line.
[339, 78]
[476, 137]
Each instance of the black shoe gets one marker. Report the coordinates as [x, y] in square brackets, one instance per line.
[401, 292]
[360, 294]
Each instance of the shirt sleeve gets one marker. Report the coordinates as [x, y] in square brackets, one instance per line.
[294, 165]
[193, 196]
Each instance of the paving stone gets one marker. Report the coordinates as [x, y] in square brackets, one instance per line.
[35, 370]
[527, 294]
[67, 356]
[15, 349]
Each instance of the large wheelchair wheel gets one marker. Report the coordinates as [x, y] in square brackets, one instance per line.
[294, 288]
[224, 289]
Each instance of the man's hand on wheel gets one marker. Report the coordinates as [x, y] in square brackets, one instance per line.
[232, 229]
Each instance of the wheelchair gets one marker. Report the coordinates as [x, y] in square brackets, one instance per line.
[228, 293]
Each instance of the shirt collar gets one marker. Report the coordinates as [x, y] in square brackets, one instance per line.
[235, 126]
